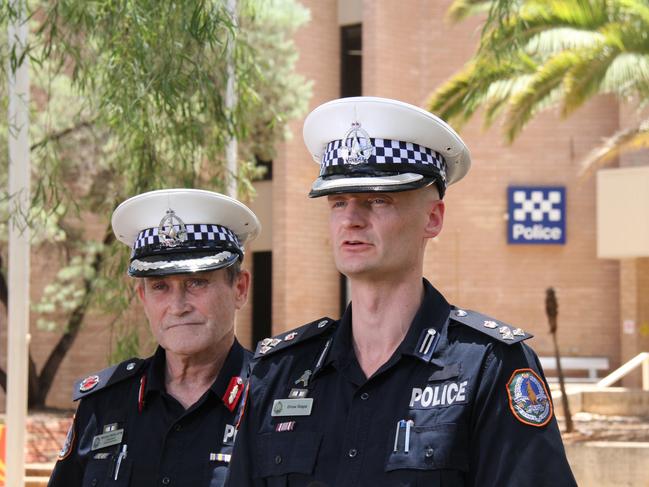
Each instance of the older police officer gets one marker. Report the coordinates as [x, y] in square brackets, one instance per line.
[405, 389]
[170, 419]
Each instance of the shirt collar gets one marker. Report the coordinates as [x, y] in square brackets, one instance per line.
[155, 376]
[234, 366]
[432, 313]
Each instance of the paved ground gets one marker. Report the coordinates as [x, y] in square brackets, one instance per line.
[46, 432]
[594, 427]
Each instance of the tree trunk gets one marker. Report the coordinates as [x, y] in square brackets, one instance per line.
[564, 397]
[53, 362]
[4, 298]
[33, 381]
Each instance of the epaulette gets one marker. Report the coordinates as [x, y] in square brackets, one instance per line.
[496, 329]
[268, 346]
[105, 378]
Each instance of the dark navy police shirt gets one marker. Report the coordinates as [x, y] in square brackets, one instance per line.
[128, 410]
[459, 406]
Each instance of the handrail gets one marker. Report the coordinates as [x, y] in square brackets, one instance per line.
[640, 359]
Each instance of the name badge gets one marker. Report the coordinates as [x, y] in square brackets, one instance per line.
[292, 407]
[107, 439]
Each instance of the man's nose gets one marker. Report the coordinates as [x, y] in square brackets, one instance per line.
[178, 302]
[354, 215]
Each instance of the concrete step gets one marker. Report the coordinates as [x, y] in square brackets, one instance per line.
[38, 469]
[33, 481]
[608, 401]
[609, 463]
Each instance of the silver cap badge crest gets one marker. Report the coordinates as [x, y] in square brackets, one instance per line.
[170, 236]
[356, 147]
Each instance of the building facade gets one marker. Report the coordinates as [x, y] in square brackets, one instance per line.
[404, 50]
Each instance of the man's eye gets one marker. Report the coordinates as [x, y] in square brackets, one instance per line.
[196, 283]
[338, 204]
[159, 286]
[378, 201]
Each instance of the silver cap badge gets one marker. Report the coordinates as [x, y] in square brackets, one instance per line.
[356, 147]
[169, 235]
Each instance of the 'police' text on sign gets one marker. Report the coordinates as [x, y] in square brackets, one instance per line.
[537, 215]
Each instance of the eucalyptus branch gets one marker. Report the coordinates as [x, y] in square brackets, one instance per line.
[75, 321]
[56, 136]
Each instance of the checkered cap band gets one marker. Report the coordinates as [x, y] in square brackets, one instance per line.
[199, 237]
[387, 155]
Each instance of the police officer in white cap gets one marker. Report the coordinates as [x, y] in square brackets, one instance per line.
[405, 389]
[170, 419]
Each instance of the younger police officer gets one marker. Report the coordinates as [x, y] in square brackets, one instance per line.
[170, 419]
[405, 389]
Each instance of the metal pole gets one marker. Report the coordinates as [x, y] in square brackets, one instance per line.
[230, 104]
[18, 306]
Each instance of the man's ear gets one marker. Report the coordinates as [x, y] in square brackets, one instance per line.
[139, 288]
[242, 286]
[435, 220]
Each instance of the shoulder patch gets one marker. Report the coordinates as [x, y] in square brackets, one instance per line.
[268, 346]
[496, 329]
[529, 400]
[107, 377]
[68, 444]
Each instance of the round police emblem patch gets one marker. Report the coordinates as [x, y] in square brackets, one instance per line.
[529, 400]
[278, 407]
[68, 443]
[88, 383]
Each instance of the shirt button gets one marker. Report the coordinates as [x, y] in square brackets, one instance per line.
[352, 453]
[166, 481]
[178, 427]
[94, 482]
[429, 452]
[278, 460]
[364, 396]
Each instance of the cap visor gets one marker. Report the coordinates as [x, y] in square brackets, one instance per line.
[166, 265]
[346, 184]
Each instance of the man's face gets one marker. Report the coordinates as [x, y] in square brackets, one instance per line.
[376, 234]
[191, 314]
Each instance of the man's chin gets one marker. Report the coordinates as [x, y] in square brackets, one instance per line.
[356, 270]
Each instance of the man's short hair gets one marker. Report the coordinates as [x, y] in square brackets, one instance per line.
[233, 272]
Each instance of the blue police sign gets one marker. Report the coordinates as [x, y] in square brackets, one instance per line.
[537, 215]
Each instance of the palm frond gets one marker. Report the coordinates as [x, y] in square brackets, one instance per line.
[459, 98]
[462, 9]
[549, 42]
[626, 140]
[499, 94]
[627, 75]
[537, 16]
[586, 74]
[638, 9]
[545, 81]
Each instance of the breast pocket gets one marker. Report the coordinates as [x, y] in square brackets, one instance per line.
[217, 467]
[436, 456]
[101, 473]
[287, 457]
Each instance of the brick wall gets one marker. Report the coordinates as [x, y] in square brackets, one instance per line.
[408, 50]
[305, 282]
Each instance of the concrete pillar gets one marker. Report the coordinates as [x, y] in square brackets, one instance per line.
[634, 312]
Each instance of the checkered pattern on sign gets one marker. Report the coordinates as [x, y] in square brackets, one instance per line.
[385, 151]
[195, 232]
[536, 206]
